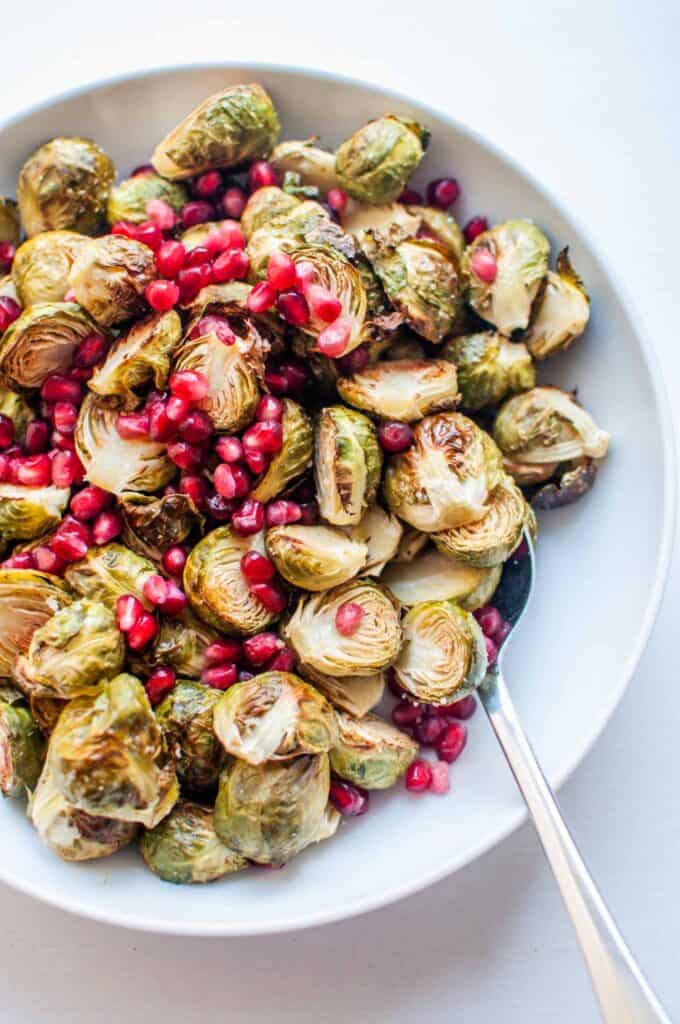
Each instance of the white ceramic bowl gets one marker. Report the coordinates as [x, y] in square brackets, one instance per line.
[599, 581]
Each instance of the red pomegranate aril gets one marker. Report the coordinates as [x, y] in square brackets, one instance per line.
[452, 741]
[177, 409]
[348, 618]
[406, 713]
[197, 212]
[261, 298]
[220, 677]
[501, 634]
[37, 436]
[248, 518]
[231, 480]
[394, 436]
[287, 378]
[6, 430]
[322, 303]
[20, 560]
[72, 540]
[7, 254]
[274, 599]
[282, 512]
[175, 600]
[292, 306]
[285, 661]
[65, 417]
[269, 408]
[196, 488]
[489, 619]
[133, 425]
[186, 456]
[81, 373]
[155, 589]
[58, 388]
[5, 468]
[483, 264]
[491, 650]
[429, 729]
[190, 281]
[442, 192]
[162, 295]
[196, 428]
[64, 442]
[234, 202]
[9, 311]
[190, 384]
[160, 427]
[149, 233]
[107, 526]
[47, 560]
[306, 274]
[337, 199]
[231, 235]
[124, 228]
[143, 169]
[409, 197]
[170, 258]
[475, 227]
[90, 352]
[207, 185]
[350, 800]
[354, 362]
[309, 513]
[174, 560]
[440, 778]
[261, 175]
[463, 708]
[264, 436]
[197, 256]
[257, 568]
[67, 469]
[128, 610]
[334, 339]
[33, 470]
[418, 776]
[159, 684]
[161, 214]
[229, 449]
[257, 462]
[281, 272]
[232, 265]
[223, 651]
[217, 325]
[143, 632]
[261, 648]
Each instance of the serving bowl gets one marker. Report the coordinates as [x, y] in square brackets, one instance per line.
[601, 563]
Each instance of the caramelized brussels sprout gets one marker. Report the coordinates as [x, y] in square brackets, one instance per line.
[492, 539]
[10, 223]
[230, 128]
[444, 654]
[504, 267]
[152, 524]
[267, 208]
[381, 532]
[440, 226]
[140, 355]
[185, 848]
[129, 198]
[27, 599]
[360, 217]
[19, 411]
[109, 277]
[375, 163]
[333, 271]
[433, 576]
[347, 464]
[563, 311]
[489, 367]
[320, 646]
[445, 477]
[73, 653]
[402, 389]
[41, 341]
[357, 695]
[65, 184]
[308, 224]
[547, 425]
[22, 750]
[108, 572]
[217, 589]
[186, 718]
[46, 711]
[42, 264]
[315, 557]
[294, 457]
[109, 758]
[271, 812]
[179, 645]
[115, 463]
[370, 752]
[28, 512]
[315, 166]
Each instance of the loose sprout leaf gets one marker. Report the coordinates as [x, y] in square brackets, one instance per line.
[490, 540]
[435, 576]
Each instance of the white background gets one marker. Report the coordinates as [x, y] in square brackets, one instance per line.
[586, 95]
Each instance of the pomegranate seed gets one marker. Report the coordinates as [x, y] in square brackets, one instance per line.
[162, 295]
[231, 235]
[292, 306]
[501, 634]
[47, 560]
[334, 339]
[463, 708]
[306, 274]
[289, 378]
[57, 388]
[72, 540]
[222, 651]
[190, 281]
[155, 589]
[161, 214]
[174, 560]
[143, 632]
[323, 304]
[175, 600]
[285, 661]
[274, 599]
[128, 611]
[337, 199]
[143, 169]
[475, 227]
[34, 470]
[187, 456]
[37, 436]
[257, 462]
[418, 776]
[442, 192]
[410, 197]
[9, 311]
[261, 298]
[81, 373]
[220, 677]
[489, 619]
[196, 428]
[429, 729]
[170, 258]
[483, 264]
[231, 480]
[309, 513]
[133, 425]
[6, 430]
[440, 778]
[234, 202]
[5, 468]
[354, 362]
[261, 648]
[190, 384]
[20, 560]
[232, 265]
[221, 509]
[217, 325]
[90, 351]
[394, 436]
[160, 427]
[65, 417]
[64, 442]
[256, 568]
[350, 800]
[196, 257]
[249, 518]
[89, 502]
[406, 713]
[149, 233]
[269, 408]
[229, 449]
[7, 254]
[196, 488]
[177, 409]
[281, 272]
[282, 512]
[266, 436]
[452, 742]
[159, 684]
[261, 175]
[197, 212]
[207, 185]
[107, 526]
[124, 228]
[348, 618]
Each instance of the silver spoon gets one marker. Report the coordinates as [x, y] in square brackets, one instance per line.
[621, 989]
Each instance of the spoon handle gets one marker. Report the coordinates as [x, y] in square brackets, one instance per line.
[622, 991]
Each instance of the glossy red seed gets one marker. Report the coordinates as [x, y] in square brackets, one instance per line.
[350, 800]
[149, 233]
[337, 199]
[322, 303]
[155, 589]
[58, 388]
[354, 362]
[207, 185]
[20, 560]
[334, 339]
[406, 713]
[162, 295]
[232, 265]
[197, 212]
[221, 509]
[37, 436]
[90, 351]
[34, 470]
[107, 526]
[217, 325]
[175, 600]
[306, 275]
[463, 708]
[261, 298]
[133, 425]
[257, 462]
[452, 741]
[224, 650]
[429, 729]
[309, 513]
[261, 175]
[7, 254]
[231, 235]
[284, 661]
[188, 457]
[281, 272]
[257, 568]
[269, 408]
[394, 436]
[229, 449]
[81, 373]
[440, 778]
[159, 684]
[174, 560]
[160, 427]
[190, 384]
[409, 197]
[348, 618]
[248, 518]
[190, 281]
[128, 610]
[418, 776]
[9, 311]
[233, 202]
[261, 648]
[124, 228]
[47, 560]
[177, 409]
[489, 619]
[6, 430]
[196, 428]
[491, 650]
[5, 468]
[231, 480]
[292, 306]
[197, 256]
[143, 632]
[220, 677]
[196, 488]
[483, 264]
[271, 595]
[72, 540]
[65, 417]
[89, 502]
[64, 442]
[442, 192]
[170, 258]
[264, 437]
[161, 214]
[475, 227]
[287, 378]
[282, 512]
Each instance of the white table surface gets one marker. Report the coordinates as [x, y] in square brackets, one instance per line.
[586, 94]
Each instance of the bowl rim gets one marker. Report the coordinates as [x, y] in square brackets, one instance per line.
[459, 859]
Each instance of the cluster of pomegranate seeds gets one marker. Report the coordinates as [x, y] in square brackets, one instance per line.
[350, 800]
[260, 575]
[139, 626]
[166, 595]
[494, 628]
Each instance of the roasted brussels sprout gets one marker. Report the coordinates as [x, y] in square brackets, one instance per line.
[228, 129]
[22, 750]
[294, 457]
[547, 425]
[27, 599]
[109, 277]
[309, 225]
[370, 752]
[42, 264]
[402, 389]
[41, 341]
[504, 267]
[489, 368]
[186, 718]
[334, 271]
[420, 278]
[314, 165]
[347, 464]
[73, 653]
[444, 654]
[152, 524]
[315, 557]
[320, 646]
[360, 217]
[217, 589]
[271, 812]
[10, 224]
[46, 711]
[109, 758]
[563, 311]
[28, 512]
[179, 645]
[19, 411]
[107, 572]
[441, 226]
[490, 540]
[129, 198]
[65, 185]
[184, 847]
[267, 208]
[445, 477]
[375, 163]
[113, 462]
[432, 576]
[381, 532]
[140, 355]
[355, 694]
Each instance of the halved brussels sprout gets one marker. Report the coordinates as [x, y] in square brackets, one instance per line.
[27, 599]
[46, 711]
[108, 572]
[420, 278]
[28, 512]
[179, 645]
[113, 462]
[402, 389]
[360, 217]
[152, 524]
[334, 272]
[65, 184]
[547, 425]
[274, 717]
[315, 557]
[433, 576]
[489, 367]
[109, 757]
[42, 341]
[71, 833]
[19, 411]
[129, 198]
[375, 163]
[42, 264]
[185, 848]
[492, 539]
[140, 355]
[446, 475]
[355, 694]
[347, 464]
[109, 277]
[411, 544]
[186, 718]
[271, 812]
[441, 226]
[370, 752]
[381, 532]
[22, 750]
[228, 129]
[10, 223]
[73, 653]
[313, 635]
[504, 298]
[444, 654]
[563, 311]
[314, 165]
[216, 588]
[294, 457]
[267, 208]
